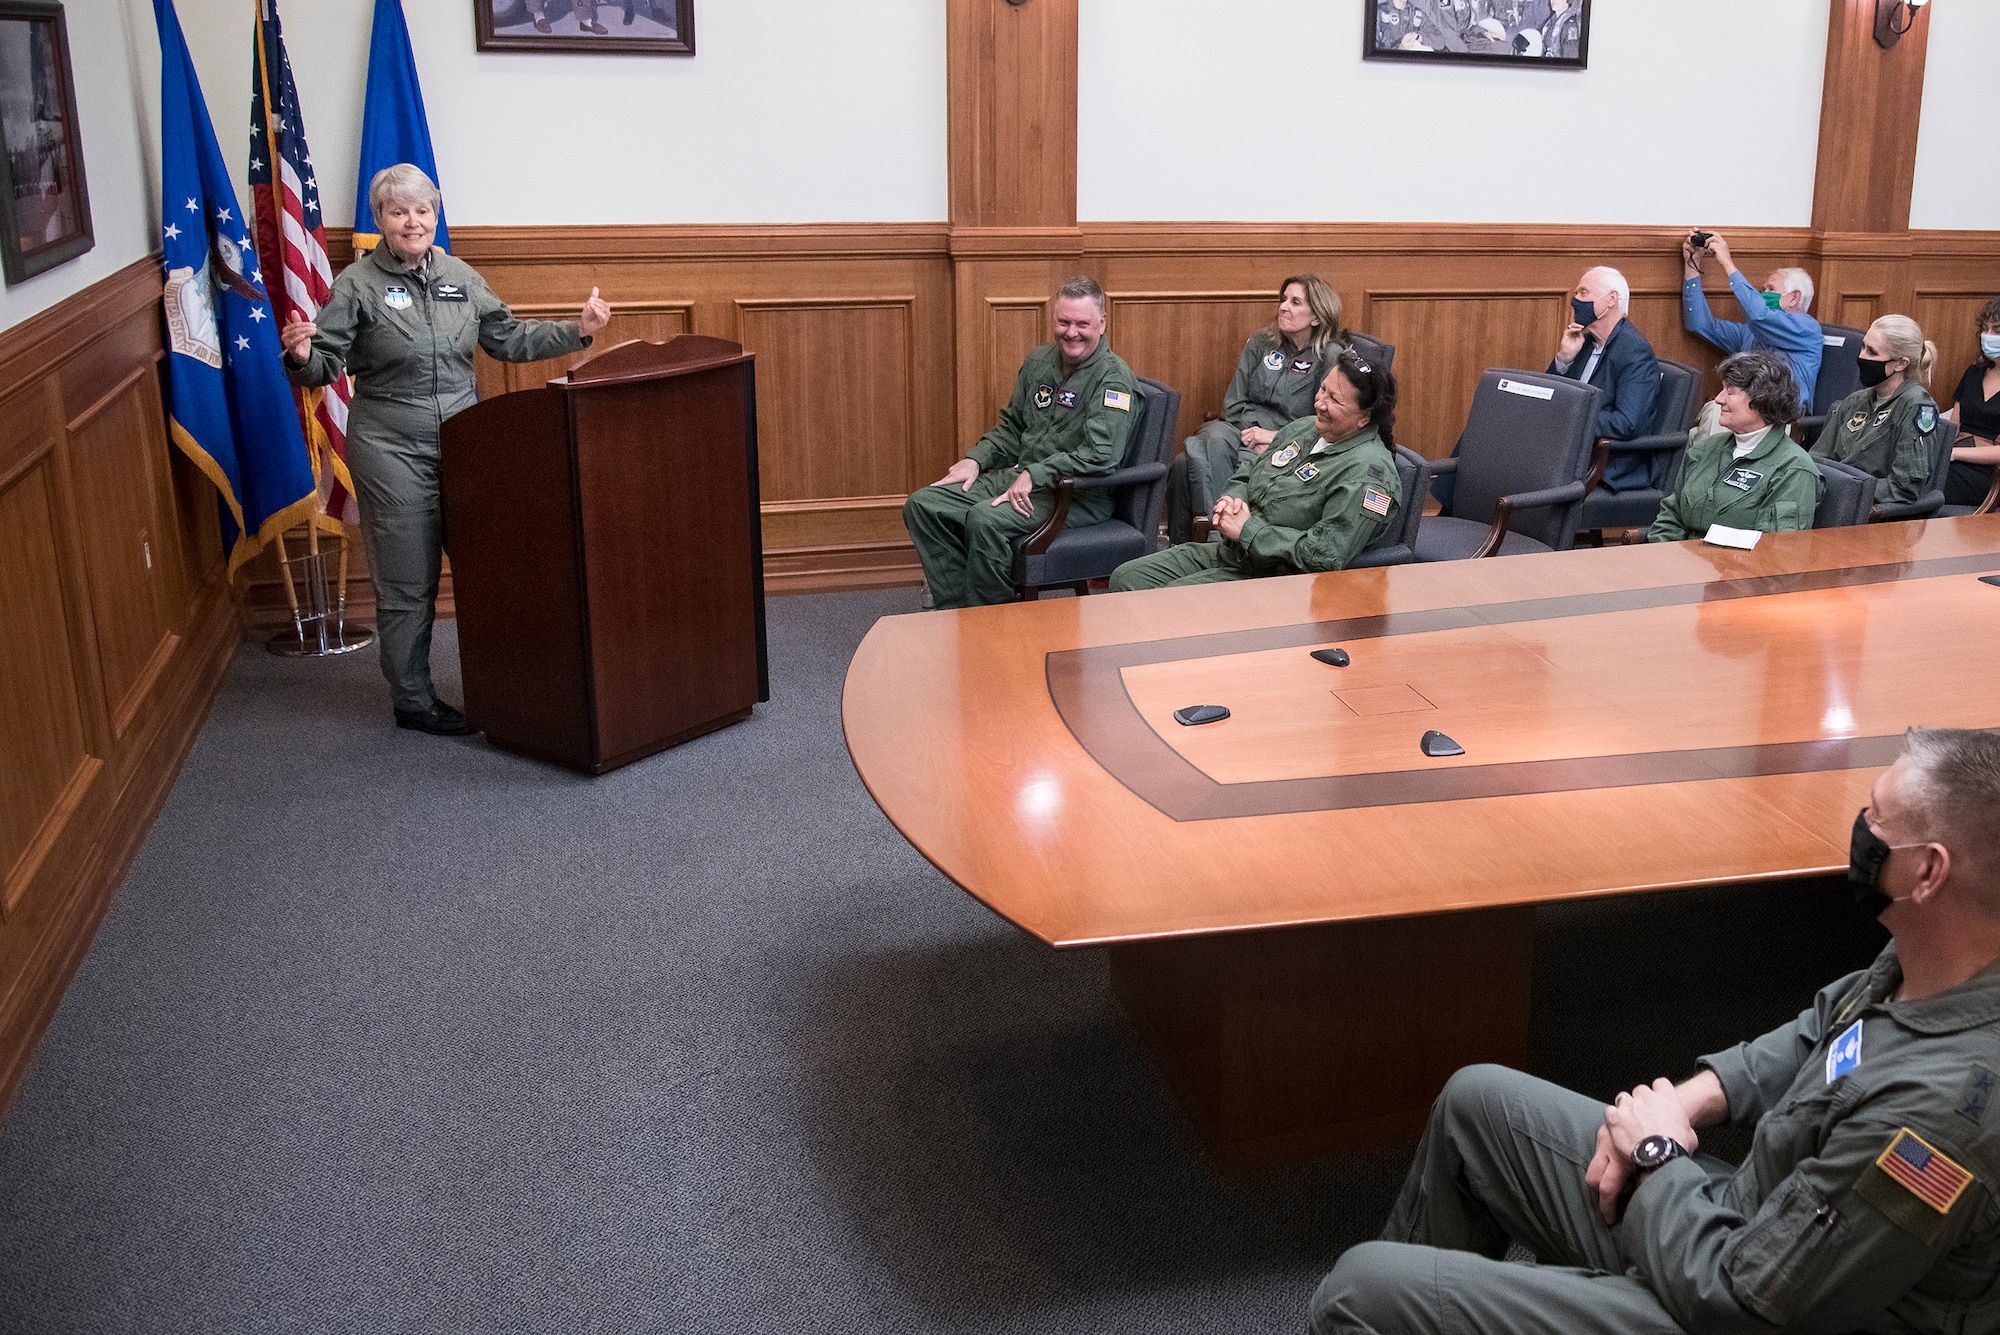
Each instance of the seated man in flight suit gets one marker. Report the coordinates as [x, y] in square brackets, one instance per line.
[1319, 493]
[1070, 415]
[1868, 1199]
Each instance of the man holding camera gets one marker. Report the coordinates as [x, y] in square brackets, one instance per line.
[1774, 318]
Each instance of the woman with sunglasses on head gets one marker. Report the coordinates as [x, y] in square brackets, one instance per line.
[1317, 495]
[1886, 427]
[1275, 381]
[1975, 410]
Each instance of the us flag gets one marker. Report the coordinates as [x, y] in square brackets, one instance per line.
[1929, 1175]
[290, 228]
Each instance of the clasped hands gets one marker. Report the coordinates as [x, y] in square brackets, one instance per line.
[1658, 1109]
[1229, 515]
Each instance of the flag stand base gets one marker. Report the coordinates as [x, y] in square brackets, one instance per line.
[319, 618]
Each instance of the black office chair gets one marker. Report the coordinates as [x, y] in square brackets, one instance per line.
[1673, 414]
[1839, 376]
[1396, 544]
[1519, 469]
[1931, 500]
[1847, 498]
[1055, 554]
[1992, 498]
[1372, 349]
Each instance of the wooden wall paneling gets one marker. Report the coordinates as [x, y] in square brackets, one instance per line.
[655, 322]
[1868, 123]
[1011, 76]
[1188, 340]
[835, 395]
[89, 742]
[118, 462]
[46, 762]
[1445, 340]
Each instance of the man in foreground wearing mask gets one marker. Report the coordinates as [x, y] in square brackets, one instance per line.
[1867, 1201]
[1602, 347]
[1774, 318]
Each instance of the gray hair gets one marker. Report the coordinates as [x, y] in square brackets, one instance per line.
[1081, 286]
[1954, 792]
[1794, 280]
[1767, 379]
[400, 184]
[1616, 282]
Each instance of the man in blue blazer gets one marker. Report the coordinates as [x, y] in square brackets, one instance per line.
[1603, 348]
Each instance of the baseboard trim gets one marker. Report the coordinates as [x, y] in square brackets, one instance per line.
[196, 673]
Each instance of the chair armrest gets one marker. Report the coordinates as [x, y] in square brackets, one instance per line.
[1198, 531]
[1600, 454]
[1123, 477]
[1600, 459]
[1923, 507]
[1052, 527]
[1443, 467]
[1504, 508]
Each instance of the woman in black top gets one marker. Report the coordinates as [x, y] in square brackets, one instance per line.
[1977, 412]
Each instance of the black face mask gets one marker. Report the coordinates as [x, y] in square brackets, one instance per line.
[1866, 852]
[1583, 312]
[1874, 370]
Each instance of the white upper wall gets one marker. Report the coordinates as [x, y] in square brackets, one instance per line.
[1954, 188]
[791, 111]
[1263, 110]
[119, 166]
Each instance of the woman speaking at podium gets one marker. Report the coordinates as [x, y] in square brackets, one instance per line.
[403, 320]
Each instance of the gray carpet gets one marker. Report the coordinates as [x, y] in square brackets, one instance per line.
[393, 1033]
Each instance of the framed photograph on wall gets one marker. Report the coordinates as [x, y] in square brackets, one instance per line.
[621, 27]
[1547, 34]
[44, 207]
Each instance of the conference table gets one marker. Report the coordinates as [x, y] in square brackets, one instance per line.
[1313, 923]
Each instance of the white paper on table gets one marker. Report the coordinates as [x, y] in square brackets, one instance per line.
[1720, 535]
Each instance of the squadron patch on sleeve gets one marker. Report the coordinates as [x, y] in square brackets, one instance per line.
[1926, 417]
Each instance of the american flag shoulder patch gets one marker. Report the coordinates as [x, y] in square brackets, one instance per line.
[1924, 1171]
[1375, 500]
[1114, 399]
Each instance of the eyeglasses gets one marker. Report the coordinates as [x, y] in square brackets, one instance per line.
[1353, 358]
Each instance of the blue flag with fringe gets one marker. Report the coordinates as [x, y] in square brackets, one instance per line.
[229, 406]
[393, 128]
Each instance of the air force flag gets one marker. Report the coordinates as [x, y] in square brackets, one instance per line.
[229, 406]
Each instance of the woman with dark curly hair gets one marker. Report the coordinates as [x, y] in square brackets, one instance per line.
[1975, 409]
[1320, 493]
[1750, 474]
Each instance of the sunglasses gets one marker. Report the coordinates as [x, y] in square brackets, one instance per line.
[1353, 359]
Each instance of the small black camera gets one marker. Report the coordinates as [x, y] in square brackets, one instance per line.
[1700, 239]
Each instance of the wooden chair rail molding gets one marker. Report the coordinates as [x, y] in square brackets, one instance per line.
[115, 632]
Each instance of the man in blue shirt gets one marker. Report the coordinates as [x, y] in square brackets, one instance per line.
[1602, 347]
[1776, 316]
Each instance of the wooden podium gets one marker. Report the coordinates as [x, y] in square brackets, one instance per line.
[607, 556]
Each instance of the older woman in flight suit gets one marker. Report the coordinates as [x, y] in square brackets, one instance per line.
[404, 320]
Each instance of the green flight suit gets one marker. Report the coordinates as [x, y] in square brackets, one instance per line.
[1775, 488]
[1817, 1230]
[1054, 426]
[1274, 384]
[1892, 438]
[1313, 506]
[407, 338]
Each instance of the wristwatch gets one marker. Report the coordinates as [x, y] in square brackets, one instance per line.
[1654, 1151]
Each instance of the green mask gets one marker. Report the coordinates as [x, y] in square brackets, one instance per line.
[1775, 300]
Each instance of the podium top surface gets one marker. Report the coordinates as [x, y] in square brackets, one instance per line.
[1633, 718]
[637, 359]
